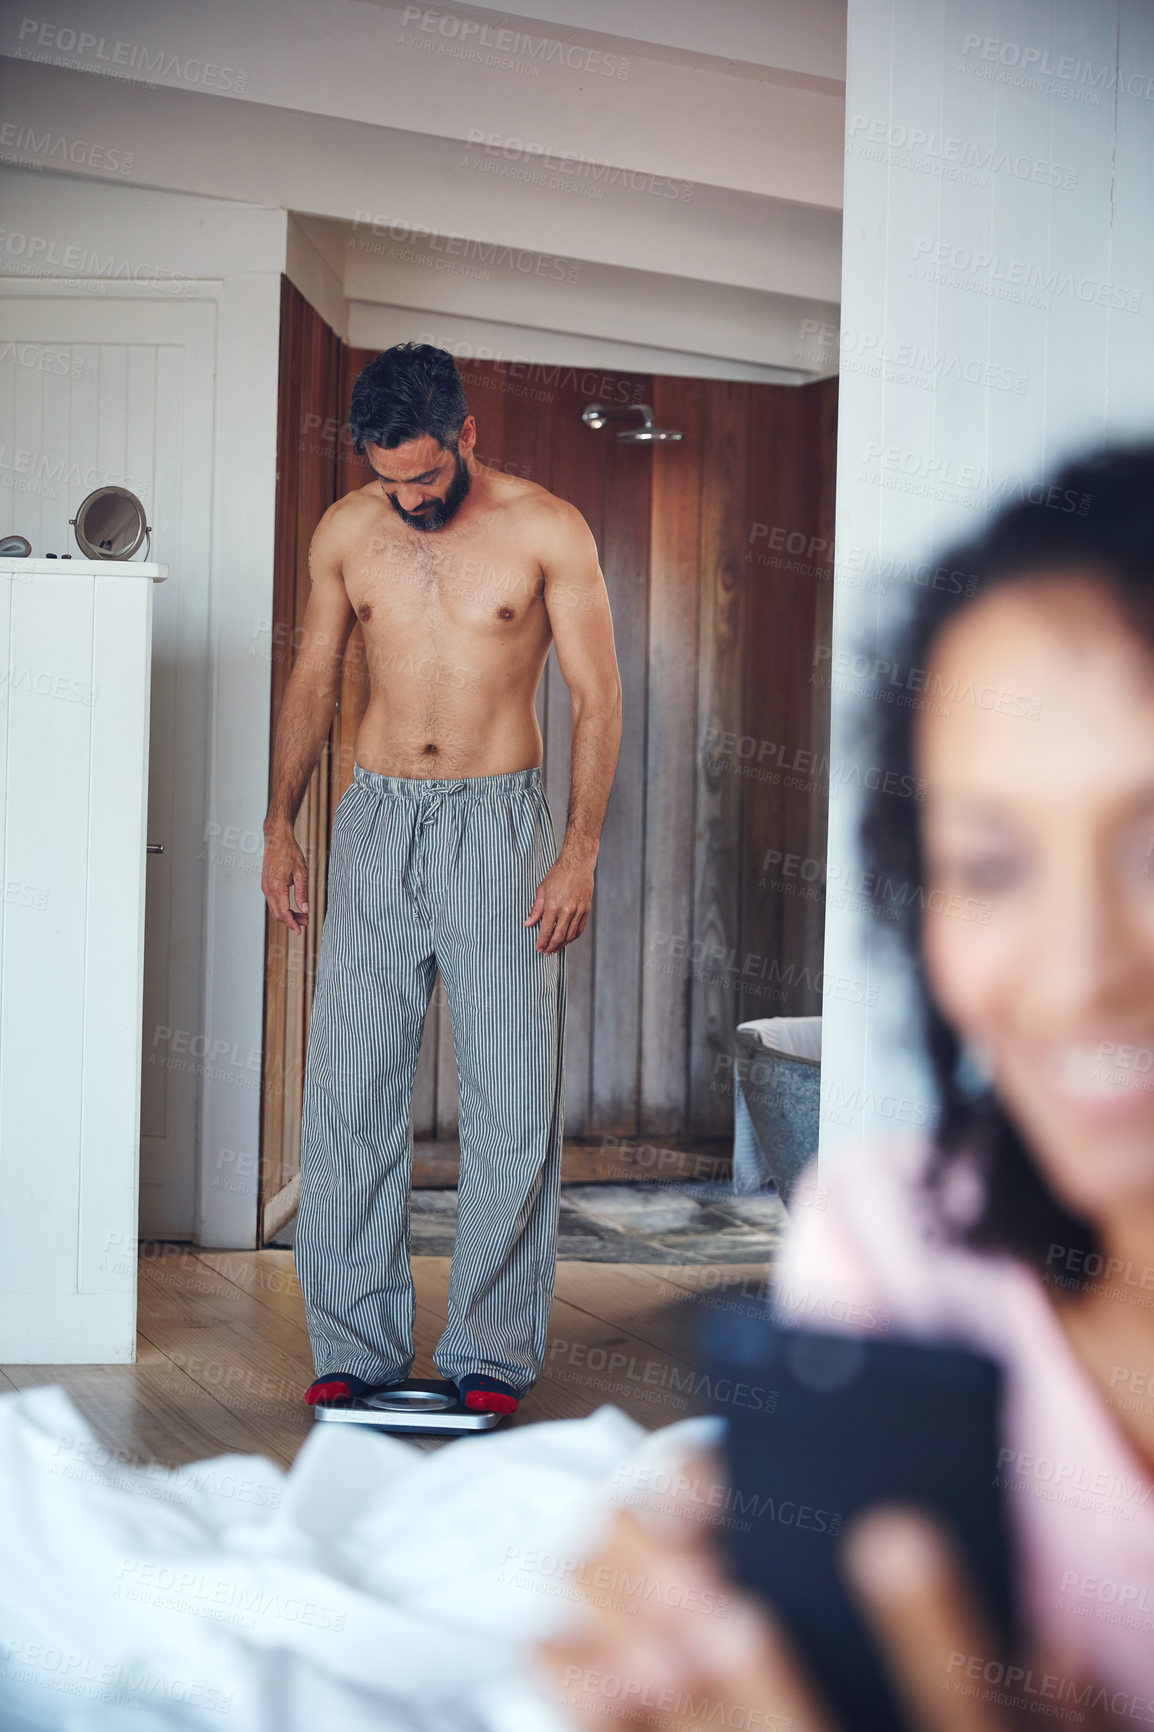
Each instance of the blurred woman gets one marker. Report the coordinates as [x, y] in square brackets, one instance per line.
[1025, 1225]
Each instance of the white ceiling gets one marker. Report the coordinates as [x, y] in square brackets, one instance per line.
[684, 161]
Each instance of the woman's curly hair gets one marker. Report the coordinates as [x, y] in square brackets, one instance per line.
[1096, 519]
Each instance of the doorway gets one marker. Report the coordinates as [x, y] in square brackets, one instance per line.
[717, 553]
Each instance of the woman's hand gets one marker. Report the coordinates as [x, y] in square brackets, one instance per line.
[650, 1653]
[672, 1645]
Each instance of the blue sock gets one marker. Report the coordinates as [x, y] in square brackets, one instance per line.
[343, 1386]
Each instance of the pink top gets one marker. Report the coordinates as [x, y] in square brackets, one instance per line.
[862, 1254]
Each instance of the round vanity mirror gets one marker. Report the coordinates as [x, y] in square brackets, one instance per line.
[110, 524]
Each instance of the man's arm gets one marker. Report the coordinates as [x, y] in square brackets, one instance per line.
[578, 607]
[306, 715]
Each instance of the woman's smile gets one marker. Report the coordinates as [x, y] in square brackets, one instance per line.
[1108, 1078]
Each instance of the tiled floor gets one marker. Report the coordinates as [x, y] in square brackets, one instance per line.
[691, 1222]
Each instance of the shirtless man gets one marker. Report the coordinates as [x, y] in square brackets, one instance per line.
[442, 858]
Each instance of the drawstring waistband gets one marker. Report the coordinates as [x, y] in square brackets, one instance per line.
[431, 790]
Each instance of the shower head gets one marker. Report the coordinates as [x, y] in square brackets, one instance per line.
[595, 415]
[647, 433]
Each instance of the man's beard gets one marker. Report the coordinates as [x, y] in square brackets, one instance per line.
[438, 512]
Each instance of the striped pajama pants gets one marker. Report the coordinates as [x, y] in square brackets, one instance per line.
[428, 876]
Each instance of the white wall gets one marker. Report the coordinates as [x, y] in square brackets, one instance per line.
[132, 404]
[997, 215]
[118, 243]
[636, 320]
[756, 123]
[807, 39]
[710, 184]
[377, 324]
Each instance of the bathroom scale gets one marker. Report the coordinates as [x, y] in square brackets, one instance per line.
[419, 1404]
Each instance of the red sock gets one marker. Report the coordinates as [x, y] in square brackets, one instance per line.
[336, 1389]
[490, 1401]
[487, 1394]
[341, 1386]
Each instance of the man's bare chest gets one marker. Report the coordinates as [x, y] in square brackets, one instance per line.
[472, 583]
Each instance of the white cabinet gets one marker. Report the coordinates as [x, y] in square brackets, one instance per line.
[75, 662]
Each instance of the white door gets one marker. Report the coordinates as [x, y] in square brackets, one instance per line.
[96, 390]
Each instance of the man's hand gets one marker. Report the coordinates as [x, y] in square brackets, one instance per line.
[564, 898]
[285, 871]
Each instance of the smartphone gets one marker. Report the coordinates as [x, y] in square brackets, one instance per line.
[841, 1422]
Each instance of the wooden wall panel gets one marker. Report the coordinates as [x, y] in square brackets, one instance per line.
[715, 940]
[823, 445]
[670, 746]
[617, 934]
[585, 469]
[577, 474]
[771, 756]
[782, 756]
[771, 600]
[716, 648]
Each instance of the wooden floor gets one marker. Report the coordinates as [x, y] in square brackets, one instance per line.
[223, 1354]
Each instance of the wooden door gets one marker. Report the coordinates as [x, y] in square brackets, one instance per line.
[307, 470]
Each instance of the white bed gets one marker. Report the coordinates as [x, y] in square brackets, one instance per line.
[373, 1586]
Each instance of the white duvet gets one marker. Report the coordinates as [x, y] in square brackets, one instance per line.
[372, 1586]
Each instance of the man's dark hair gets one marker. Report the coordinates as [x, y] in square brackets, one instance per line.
[1096, 520]
[408, 391]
